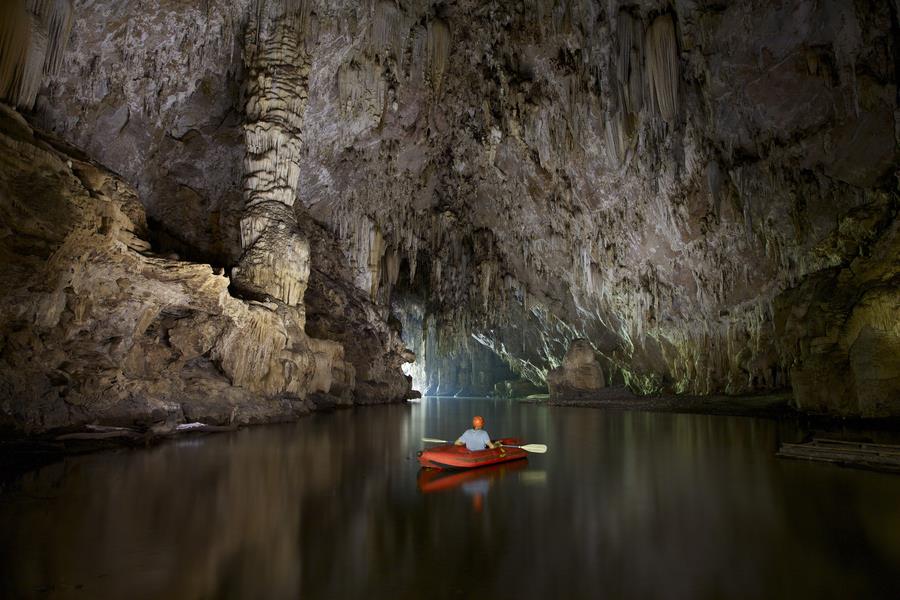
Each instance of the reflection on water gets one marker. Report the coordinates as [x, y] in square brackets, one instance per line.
[476, 483]
[624, 505]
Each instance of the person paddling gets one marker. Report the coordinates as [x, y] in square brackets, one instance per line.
[477, 438]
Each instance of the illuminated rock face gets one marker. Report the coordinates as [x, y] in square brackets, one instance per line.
[706, 193]
[97, 328]
[275, 261]
[579, 375]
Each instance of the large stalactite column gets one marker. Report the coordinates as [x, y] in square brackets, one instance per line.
[275, 262]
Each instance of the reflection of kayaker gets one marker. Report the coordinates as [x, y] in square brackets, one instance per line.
[433, 480]
[476, 490]
[476, 487]
[477, 438]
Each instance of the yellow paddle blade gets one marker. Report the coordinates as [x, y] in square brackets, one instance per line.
[434, 441]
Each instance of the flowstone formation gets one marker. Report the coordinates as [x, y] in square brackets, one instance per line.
[661, 179]
[100, 328]
[96, 328]
[705, 192]
[651, 178]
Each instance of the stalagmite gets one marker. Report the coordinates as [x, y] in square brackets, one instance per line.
[275, 262]
[677, 182]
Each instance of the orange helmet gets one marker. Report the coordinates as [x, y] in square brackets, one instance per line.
[477, 422]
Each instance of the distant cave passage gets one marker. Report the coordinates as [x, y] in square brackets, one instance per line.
[449, 361]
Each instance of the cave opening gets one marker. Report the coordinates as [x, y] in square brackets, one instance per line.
[449, 359]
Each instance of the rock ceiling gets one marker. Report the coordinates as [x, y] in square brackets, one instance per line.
[705, 192]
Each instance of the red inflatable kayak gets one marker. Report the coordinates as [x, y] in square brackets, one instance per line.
[450, 456]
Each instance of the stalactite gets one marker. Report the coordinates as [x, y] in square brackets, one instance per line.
[618, 132]
[629, 62]
[361, 90]
[418, 57]
[486, 277]
[392, 266]
[15, 36]
[663, 66]
[33, 39]
[438, 51]
[58, 16]
[389, 28]
[376, 251]
[32, 71]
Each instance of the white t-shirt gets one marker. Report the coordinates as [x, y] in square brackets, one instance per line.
[475, 439]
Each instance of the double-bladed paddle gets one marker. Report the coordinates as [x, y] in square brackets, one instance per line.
[536, 448]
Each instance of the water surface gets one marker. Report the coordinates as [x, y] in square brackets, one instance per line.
[625, 505]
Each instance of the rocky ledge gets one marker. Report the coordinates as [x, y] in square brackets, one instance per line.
[98, 330]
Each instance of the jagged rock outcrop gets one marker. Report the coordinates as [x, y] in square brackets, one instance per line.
[842, 329]
[337, 310]
[153, 93]
[579, 375]
[98, 329]
[682, 184]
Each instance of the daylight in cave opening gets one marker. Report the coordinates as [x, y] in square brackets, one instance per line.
[622, 279]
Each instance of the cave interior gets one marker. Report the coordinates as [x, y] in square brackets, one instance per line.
[240, 211]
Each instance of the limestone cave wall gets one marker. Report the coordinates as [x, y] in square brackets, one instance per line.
[706, 192]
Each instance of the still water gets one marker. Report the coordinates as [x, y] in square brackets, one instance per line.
[624, 505]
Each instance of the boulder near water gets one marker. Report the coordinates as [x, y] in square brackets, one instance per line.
[579, 375]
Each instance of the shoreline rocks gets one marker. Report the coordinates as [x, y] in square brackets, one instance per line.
[580, 374]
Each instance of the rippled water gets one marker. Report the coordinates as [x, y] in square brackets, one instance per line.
[625, 505]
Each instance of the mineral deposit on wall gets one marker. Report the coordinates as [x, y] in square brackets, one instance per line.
[704, 192]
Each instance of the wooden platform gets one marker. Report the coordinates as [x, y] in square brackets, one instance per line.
[880, 457]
